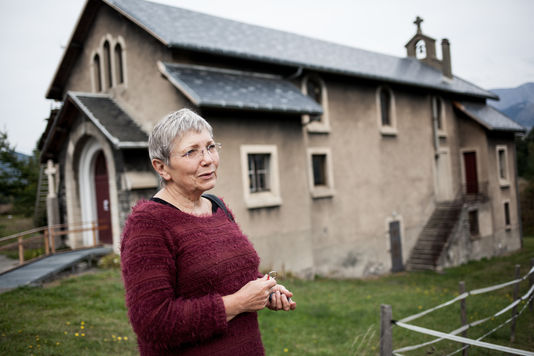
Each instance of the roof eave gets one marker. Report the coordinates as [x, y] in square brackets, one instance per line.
[73, 49]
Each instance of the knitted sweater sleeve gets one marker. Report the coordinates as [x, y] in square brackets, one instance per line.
[158, 316]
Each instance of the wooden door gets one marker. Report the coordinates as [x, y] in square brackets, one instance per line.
[102, 199]
[471, 177]
[396, 246]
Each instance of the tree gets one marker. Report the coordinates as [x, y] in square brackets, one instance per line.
[19, 176]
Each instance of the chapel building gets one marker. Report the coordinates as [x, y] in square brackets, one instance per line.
[336, 161]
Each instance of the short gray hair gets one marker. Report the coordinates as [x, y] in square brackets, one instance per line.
[171, 127]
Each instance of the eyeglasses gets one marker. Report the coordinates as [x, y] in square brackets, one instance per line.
[197, 154]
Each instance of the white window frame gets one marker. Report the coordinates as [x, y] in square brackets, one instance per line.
[328, 189]
[443, 131]
[261, 199]
[322, 126]
[503, 182]
[389, 130]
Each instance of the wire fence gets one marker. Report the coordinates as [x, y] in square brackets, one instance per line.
[386, 341]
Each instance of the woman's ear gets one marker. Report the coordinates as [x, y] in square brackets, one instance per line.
[161, 168]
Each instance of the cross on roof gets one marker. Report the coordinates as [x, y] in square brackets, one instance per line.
[418, 21]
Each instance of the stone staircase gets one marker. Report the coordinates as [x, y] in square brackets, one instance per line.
[433, 238]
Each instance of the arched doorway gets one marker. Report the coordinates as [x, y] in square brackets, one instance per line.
[95, 202]
[101, 181]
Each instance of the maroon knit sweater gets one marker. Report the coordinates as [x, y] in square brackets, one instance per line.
[176, 267]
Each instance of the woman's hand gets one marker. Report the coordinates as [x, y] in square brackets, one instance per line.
[252, 297]
[281, 299]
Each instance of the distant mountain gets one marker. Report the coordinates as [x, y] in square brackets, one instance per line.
[516, 103]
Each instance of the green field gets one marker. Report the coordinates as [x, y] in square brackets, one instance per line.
[85, 314]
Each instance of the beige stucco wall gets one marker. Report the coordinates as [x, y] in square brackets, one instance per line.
[146, 96]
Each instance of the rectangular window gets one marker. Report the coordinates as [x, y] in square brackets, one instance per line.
[473, 223]
[260, 177]
[320, 173]
[258, 172]
[319, 169]
[507, 214]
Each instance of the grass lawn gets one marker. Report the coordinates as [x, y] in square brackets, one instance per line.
[85, 315]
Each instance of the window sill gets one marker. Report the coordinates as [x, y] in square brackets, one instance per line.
[322, 192]
[388, 131]
[262, 200]
[508, 228]
[442, 134]
[504, 184]
[318, 127]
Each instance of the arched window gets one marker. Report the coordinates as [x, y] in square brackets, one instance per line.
[107, 60]
[97, 73]
[119, 69]
[385, 101]
[385, 107]
[314, 90]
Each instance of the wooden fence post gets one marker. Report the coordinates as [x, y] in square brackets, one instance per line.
[531, 282]
[46, 244]
[386, 333]
[93, 228]
[52, 239]
[463, 315]
[21, 251]
[514, 309]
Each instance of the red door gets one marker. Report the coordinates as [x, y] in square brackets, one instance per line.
[102, 199]
[471, 178]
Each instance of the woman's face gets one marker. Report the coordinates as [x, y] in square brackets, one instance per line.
[193, 163]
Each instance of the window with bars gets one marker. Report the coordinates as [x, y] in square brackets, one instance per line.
[258, 172]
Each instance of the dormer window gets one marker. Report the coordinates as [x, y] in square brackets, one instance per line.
[315, 88]
[386, 111]
[97, 73]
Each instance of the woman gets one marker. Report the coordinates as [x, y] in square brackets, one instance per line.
[191, 276]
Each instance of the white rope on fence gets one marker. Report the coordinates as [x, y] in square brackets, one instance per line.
[465, 340]
[498, 326]
[475, 323]
[465, 295]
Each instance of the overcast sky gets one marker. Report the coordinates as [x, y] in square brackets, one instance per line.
[492, 42]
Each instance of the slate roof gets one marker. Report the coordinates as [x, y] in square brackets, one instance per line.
[221, 88]
[181, 28]
[110, 119]
[489, 117]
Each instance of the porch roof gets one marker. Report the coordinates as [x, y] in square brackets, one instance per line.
[221, 88]
[115, 124]
[489, 117]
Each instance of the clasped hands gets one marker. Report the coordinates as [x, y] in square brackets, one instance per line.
[254, 296]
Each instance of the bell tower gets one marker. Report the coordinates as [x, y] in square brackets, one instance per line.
[423, 48]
